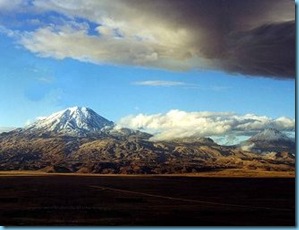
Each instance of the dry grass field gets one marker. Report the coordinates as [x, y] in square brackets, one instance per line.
[215, 199]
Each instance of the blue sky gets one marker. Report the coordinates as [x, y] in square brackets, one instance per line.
[39, 76]
[34, 86]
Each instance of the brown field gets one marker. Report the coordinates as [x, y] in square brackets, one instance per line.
[208, 199]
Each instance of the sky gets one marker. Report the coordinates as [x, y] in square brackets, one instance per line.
[223, 68]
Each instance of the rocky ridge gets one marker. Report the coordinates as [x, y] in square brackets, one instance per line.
[270, 140]
[79, 140]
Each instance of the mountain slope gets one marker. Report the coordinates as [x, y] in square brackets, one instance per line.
[72, 121]
[269, 134]
[79, 140]
[270, 140]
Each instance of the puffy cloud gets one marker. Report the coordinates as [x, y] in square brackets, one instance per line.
[68, 41]
[180, 124]
[251, 37]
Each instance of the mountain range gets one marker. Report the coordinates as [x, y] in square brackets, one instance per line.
[77, 139]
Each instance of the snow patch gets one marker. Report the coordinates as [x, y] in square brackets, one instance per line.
[72, 120]
[269, 135]
[248, 147]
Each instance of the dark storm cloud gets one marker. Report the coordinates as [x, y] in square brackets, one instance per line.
[249, 37]
[269, 50]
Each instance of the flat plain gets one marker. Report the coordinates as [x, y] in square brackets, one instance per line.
[38, 199]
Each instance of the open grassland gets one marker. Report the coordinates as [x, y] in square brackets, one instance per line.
[42, 199]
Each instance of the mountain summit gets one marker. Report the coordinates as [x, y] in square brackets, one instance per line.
[72, 121]
[270, 140]
[269, 134]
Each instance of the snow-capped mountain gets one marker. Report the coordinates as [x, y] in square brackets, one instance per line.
[79, 140]
[270, 134]
[74, 120]
[270, 140]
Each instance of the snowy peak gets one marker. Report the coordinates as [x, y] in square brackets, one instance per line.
[269, 134]
[269, 140]
[74, 120]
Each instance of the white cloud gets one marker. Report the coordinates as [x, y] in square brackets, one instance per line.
[6, 5]
[8, 32]
[160, 83]
[122, 35]
[67, 41]
[179, 124]
[28, 122]
[159, 33]
[45, 79]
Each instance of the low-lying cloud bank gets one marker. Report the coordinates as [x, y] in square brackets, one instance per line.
[181, 124]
